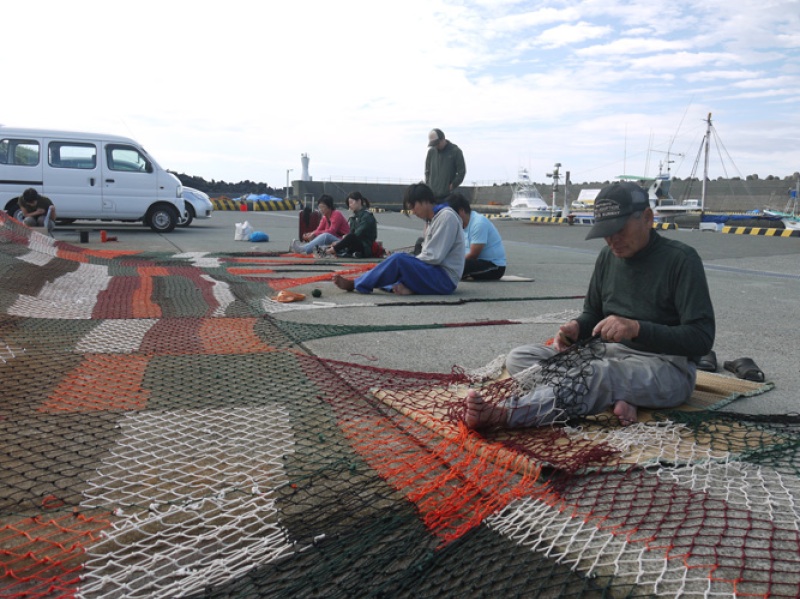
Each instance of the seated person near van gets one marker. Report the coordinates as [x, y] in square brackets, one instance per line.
[37, 210]
[486, 256]
[436, 270]
[332, 228]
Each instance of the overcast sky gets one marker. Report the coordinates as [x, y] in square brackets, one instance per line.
[239, 90]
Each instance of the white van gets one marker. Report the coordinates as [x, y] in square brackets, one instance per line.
[88, 176]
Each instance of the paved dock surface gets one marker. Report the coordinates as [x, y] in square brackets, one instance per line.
[754, 282]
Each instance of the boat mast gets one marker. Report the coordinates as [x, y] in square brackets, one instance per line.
[555, 175]
[705, 168]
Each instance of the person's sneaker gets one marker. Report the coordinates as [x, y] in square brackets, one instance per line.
[320, 251]
[344, 254]
[357, 255]
[297, 247]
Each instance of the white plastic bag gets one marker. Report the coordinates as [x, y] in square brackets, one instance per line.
[243, 231]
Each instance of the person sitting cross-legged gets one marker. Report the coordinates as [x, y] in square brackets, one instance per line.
[363, 230]
[485, 258]
[647, 320]
[332, 227]
[436, 270]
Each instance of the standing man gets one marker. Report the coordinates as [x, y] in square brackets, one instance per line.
[444, 165]
[486, 257]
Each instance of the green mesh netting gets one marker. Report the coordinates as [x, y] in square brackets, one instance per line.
[164, 435]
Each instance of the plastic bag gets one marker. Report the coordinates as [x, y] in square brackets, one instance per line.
[243, 231]
[259, 236]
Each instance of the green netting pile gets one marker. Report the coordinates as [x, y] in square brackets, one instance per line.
[163, 434]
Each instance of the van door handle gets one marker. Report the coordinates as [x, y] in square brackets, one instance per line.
[91, 181]
[109, 180]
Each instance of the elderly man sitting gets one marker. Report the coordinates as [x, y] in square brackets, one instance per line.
[649, 305]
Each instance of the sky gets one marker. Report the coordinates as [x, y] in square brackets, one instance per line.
[239, 90]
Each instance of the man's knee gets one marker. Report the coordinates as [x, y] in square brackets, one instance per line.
[523, 357]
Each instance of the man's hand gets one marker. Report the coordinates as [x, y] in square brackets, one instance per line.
[616, 329]
[567, 335]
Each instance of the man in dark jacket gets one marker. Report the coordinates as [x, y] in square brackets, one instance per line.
[444, 165]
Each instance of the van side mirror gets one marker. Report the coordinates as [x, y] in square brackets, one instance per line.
[148, 167]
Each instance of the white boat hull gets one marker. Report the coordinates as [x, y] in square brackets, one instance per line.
[528, 213]
[792, 224]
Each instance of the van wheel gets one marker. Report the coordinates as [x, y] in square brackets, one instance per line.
[162, 219]
[185, 222]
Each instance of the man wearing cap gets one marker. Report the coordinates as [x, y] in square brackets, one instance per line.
[444, 165]
[649, 304]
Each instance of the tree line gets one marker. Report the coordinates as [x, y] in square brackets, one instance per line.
[215, 188]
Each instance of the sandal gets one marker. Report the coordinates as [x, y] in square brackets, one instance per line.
[745, 368]
[708, 362]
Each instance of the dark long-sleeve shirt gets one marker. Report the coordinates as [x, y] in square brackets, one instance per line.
[365, 227]
[663, 287]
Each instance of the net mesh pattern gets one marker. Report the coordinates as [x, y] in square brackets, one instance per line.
[163, 436]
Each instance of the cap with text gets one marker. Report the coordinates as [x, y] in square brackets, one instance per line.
[614, 205]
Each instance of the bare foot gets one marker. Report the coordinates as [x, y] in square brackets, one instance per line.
[626, 413]
[400, 289]
[479, 414]
[343, 283]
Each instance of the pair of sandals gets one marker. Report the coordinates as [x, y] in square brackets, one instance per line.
[743, 368]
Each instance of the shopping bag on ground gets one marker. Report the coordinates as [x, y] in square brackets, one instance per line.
[243, 231]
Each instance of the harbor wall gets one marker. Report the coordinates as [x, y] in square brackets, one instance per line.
[721, 195]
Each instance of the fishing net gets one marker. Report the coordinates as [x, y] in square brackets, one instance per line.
[164, 435]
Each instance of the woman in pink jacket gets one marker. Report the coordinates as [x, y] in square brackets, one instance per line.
[332, 227]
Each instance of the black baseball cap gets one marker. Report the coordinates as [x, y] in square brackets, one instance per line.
[614, 205]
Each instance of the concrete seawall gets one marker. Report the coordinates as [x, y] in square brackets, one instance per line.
[726, 195]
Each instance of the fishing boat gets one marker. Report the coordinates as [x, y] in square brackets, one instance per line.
[789, 215]
[526, 201]
[693, 211]
[658, 192]
[584, 203]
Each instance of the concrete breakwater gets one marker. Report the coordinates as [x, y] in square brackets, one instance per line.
[721, 195]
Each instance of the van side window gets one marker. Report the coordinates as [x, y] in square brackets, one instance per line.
[62, 154]
[22, 152]
[127, 158]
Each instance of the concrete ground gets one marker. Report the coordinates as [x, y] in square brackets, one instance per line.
[754, 281]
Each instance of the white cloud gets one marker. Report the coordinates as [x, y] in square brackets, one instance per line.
[565, 35]
[240, 90]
